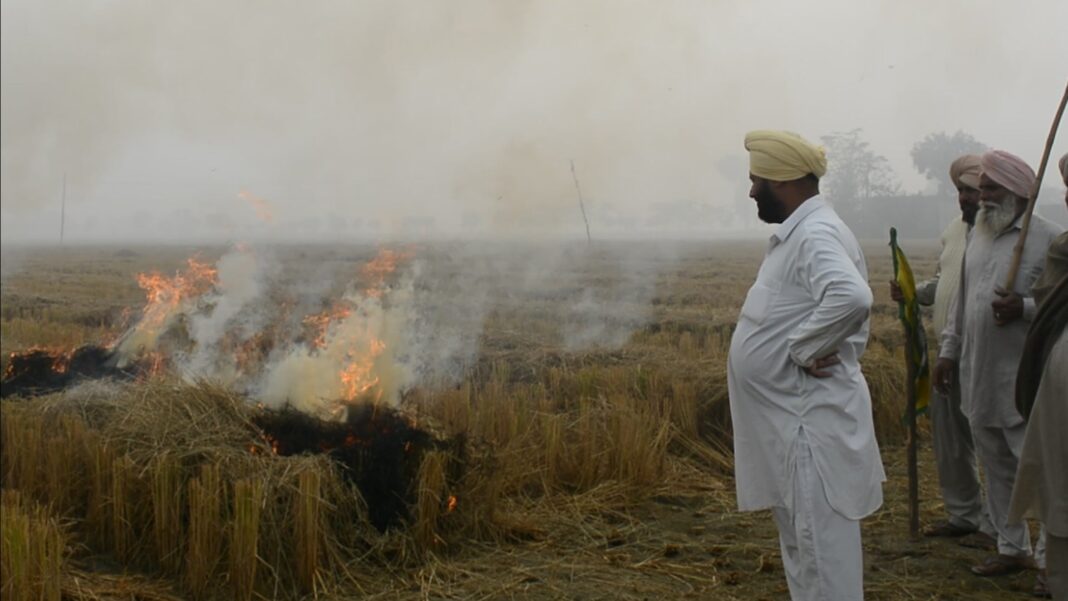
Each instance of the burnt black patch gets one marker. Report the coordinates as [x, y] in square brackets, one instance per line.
[38, 372]
[378, 449]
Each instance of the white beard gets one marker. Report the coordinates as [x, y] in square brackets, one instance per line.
[994, 218]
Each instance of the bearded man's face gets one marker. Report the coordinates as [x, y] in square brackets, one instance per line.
[998, 207]
[770, 209]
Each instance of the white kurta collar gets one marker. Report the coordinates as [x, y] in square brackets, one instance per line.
[787, 227]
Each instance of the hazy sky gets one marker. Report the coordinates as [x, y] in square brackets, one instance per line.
[239, 119]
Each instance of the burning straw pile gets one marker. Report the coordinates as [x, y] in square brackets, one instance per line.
[181, 481]
[294, 471]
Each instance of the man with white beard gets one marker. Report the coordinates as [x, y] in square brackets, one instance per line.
[951, 433]
[985, 332]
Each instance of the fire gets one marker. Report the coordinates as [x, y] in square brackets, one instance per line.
[262, 207]
[60, 359]
[376, 270]
[166, 297]
[62, 362]
[270, 440]
[197, 279]
[320, 322]
[357, 376]
[335, 358]
[155, 361]
[248, 354]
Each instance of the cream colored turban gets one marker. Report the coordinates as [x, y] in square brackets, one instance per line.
[1064, 168]
[783, 156]
[965, 171]
[1010, 171]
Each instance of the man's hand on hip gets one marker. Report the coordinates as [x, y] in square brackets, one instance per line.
[818, 369]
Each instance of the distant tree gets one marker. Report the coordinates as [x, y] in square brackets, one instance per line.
[855, 173]
[933, 155]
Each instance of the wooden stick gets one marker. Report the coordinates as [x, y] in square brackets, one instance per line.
[1017, 253]
[910, 385]
[581, 205]
[910, 413]
[63, 211]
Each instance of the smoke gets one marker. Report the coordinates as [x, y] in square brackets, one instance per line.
[358, 362]
[232, 311]
[11, 262]
[386, 119]
[405, 319]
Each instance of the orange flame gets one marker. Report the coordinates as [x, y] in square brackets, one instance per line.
[376, 270]
[165, 294]
[357, 376]
[155, 362]
[320, 322]
[249, 353]
[262, 207]
[453, 502]
[60, 358]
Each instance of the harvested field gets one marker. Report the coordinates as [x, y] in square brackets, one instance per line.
[580, 452]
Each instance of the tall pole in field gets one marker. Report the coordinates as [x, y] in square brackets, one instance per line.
[63, 210]
[916, 366]
[582, 206]
[910, 415]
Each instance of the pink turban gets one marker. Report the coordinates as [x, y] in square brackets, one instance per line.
[1010, 171]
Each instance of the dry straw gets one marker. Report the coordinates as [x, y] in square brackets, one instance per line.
[31, 551]
[206, 527]
[148, 481]
[307, 526]
[168, 501]
[121, 502]
[244, 537]
[430, 500]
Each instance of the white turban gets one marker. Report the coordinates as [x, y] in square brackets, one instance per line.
[965, 171]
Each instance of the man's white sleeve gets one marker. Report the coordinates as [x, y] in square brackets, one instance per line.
[843, 296]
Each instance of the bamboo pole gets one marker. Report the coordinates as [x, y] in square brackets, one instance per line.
[910, 413]
[911, 343]
[63, 211]
[582, 205]
[1017, 253]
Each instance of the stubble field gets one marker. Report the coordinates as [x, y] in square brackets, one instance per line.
[582, 442]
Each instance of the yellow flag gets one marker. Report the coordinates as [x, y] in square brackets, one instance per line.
[909, 312]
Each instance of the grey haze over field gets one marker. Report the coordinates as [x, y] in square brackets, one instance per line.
[396, 119]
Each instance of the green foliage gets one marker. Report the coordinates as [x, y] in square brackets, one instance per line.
[855, 174]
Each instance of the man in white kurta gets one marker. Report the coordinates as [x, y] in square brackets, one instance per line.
[984, 336]
[1041, 487]
[951, 433]
[804, 441]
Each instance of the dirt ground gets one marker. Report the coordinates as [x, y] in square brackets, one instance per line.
[693, 545]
